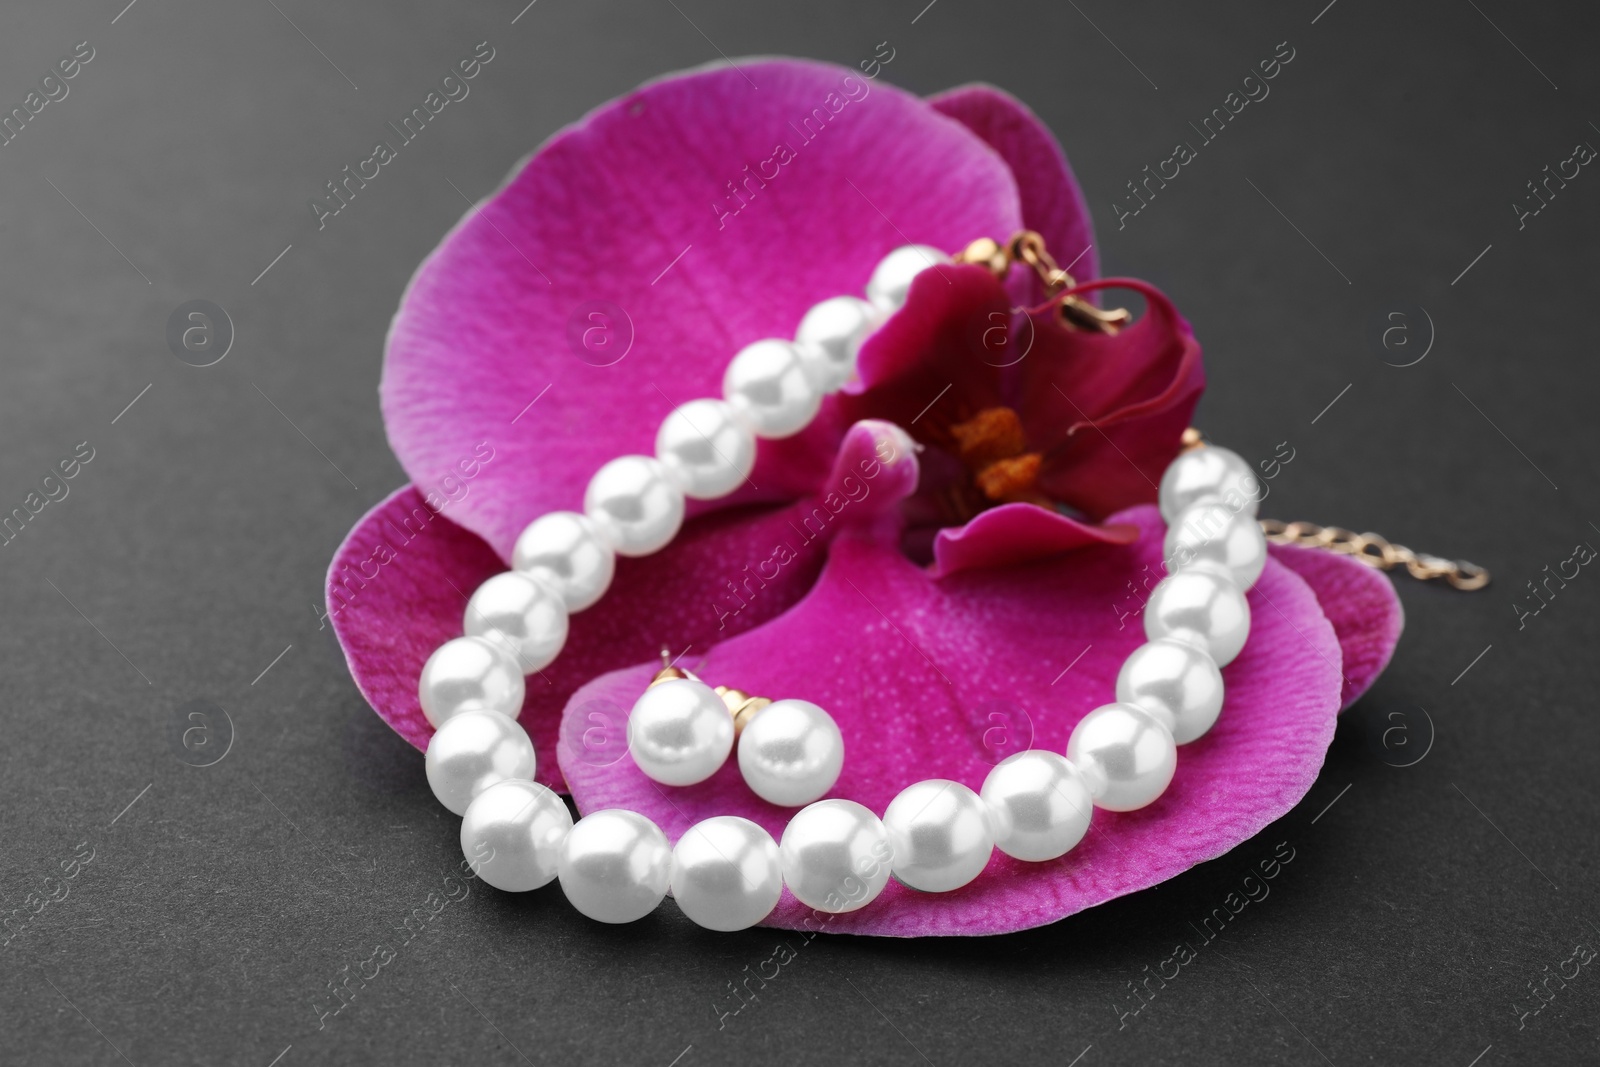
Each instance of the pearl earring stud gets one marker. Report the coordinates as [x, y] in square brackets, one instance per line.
[681, 731]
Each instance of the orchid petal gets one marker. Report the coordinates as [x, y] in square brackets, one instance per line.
[932, 668]
[622, 266]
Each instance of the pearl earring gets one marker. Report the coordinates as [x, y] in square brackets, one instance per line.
[681, 731]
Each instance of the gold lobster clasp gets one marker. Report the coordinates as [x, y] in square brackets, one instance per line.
[1028, 248]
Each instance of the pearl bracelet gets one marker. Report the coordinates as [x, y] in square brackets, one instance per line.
[727, 873]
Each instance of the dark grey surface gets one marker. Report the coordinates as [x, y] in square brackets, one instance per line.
[221, 901]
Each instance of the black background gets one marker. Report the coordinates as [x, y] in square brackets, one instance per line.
[190, 552]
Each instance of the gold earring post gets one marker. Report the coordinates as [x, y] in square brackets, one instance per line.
[741, 705]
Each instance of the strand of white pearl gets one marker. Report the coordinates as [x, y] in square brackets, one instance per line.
[726, 872]
[480, 762]
[564, 561]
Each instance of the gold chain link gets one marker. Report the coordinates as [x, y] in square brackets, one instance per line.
[1376, 551]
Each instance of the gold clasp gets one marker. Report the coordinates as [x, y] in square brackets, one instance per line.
[1027, 247]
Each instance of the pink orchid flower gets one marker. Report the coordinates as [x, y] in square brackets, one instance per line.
[948, 605]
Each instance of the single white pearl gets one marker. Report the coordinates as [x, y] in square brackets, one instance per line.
[469, 672]
[725, 873]
[634, 504]
[615, 866]
[1177, 683]
[706, 450]
[1212, 535]
[565, 551]
[1039, 805]
[1125, 755]
[791, 752]
[835, 856]
[471, 752]
[939, 835]
[767, 385]
[891, 279]
[522, 615]
[1200, 607]
[1209, 472]
[680, 732]
[512, 833]
[830, 338]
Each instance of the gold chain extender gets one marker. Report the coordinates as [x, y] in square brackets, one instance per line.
[1376, 551]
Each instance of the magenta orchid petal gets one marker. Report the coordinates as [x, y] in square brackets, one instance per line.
[1052, 202]
[1361, 604]
[397, 590]
[945, 658]
[927, 367]
[1110, 410]
[622, 266]
[875, 469]
[1013, 534]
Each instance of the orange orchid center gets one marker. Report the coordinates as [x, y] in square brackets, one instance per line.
[993, 446]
